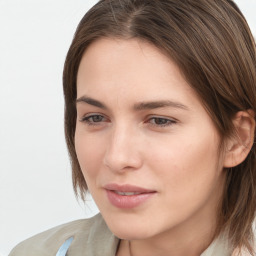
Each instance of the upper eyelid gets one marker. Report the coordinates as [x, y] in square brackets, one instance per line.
[87, 116]
[92, 114]
[148, 117]
[162, 117]
[166, 119]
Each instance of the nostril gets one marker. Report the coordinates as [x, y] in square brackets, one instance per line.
[121, 162]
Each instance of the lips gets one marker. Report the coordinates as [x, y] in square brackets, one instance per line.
[127, 196]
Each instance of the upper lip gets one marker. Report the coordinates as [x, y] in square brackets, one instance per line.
[127, 188]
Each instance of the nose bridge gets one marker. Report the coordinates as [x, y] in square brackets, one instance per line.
[122, 151]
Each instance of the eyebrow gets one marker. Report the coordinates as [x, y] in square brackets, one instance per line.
[138, 106]
[159, 104]
[91, 101]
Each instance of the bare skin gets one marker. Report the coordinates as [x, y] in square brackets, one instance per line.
[140, 123]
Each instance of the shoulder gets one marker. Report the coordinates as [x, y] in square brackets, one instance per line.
[85, 232]
[242, 252]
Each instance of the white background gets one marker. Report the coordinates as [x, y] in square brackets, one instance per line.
[35, 178]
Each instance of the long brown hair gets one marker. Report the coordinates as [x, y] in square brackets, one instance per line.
[212, 44]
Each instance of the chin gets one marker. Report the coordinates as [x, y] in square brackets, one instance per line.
[134, 234]
[129, 230]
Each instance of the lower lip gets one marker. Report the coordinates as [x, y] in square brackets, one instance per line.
[127, 202]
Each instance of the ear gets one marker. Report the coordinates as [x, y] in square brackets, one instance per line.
[240, 144]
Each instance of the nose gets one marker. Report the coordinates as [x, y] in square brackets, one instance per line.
[122, 152]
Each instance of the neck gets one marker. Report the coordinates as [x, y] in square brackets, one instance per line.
[192, 246]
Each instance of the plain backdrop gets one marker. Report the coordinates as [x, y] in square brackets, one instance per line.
[35, 177]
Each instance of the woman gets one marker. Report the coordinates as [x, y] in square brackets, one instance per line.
[160, 127]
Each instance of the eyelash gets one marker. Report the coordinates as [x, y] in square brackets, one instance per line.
[167, 121]
[157, 121]
[87, 120]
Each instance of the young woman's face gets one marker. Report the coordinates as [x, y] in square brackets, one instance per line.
[148, 150]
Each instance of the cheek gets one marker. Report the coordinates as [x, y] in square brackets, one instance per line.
[189, 177]
[89, 153]
[187, 164]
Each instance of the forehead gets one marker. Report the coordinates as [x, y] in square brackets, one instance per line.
[130, 69]
[109, 55]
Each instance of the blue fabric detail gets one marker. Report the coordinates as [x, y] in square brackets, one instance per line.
[64, 248]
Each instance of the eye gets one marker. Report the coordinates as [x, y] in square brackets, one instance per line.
[93, 119]
[161, 121]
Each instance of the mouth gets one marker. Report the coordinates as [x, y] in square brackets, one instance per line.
[127, 196]
[127, 188]
[127, 193]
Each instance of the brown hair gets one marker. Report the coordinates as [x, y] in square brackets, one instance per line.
[212, 44]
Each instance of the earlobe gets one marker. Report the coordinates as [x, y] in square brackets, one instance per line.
[240, 144]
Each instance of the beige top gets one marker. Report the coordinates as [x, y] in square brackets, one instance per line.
[91, 238]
